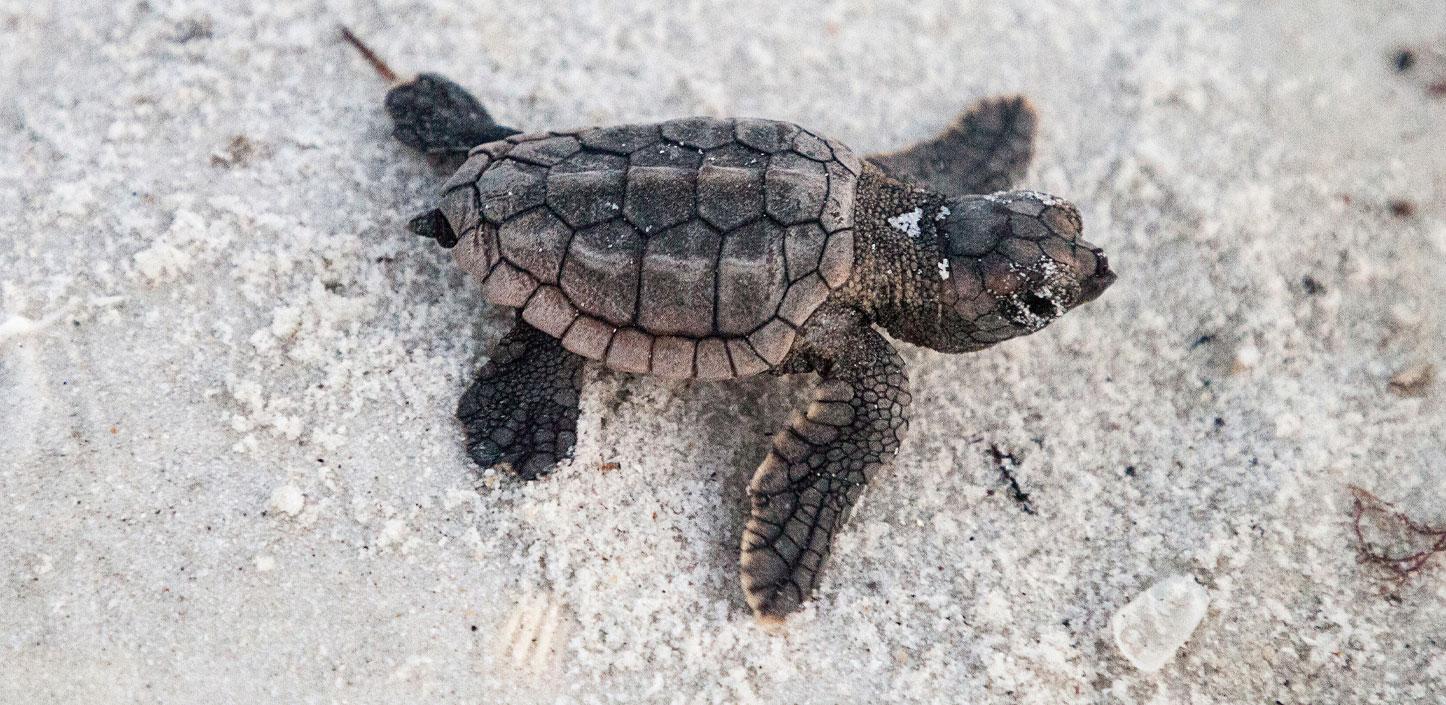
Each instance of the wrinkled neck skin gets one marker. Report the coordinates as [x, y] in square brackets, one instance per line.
[897, 280]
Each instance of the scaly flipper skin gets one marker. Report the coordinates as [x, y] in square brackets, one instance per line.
[439, 118]
[819, 464]
[522, 410]
[987, 149]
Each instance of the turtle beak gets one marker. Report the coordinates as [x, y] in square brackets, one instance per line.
[434, 225]
[1096, 284]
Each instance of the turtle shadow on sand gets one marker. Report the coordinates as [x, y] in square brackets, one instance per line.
[735, 420]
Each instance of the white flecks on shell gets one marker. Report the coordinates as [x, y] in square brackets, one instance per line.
[1007, 197]
[908, 223]
[1044, 198]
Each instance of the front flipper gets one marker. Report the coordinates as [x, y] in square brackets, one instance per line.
[987, 149]
[819, 464]
[440, 118]
[522, 410]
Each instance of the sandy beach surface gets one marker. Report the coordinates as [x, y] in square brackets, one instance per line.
[229, 470]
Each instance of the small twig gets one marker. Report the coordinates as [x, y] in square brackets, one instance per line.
[1395, 568]
[1006, 461]
[381, 67]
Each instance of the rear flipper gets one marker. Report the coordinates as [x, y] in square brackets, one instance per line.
[432, 114]
[522, 410]
[440, 118]
[987, 149]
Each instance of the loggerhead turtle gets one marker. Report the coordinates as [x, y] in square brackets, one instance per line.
[711, 249]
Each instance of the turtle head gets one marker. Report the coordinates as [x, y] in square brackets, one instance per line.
[1012, 263]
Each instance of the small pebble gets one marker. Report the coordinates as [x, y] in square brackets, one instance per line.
[1150, 628]
[1405, 59]
[1402, 208]
[1413, 381]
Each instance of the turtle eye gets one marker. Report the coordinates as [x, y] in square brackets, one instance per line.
[1031, 309]
[1038, 305]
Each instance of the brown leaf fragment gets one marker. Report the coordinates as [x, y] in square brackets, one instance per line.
[1413, 381]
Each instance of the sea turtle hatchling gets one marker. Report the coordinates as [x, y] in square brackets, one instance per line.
[712, 249]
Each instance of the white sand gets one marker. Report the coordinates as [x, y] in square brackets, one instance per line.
[228, 468]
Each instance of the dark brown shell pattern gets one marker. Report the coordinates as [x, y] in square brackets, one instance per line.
[693, 248]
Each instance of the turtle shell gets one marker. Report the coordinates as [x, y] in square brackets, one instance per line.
[688, 248]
